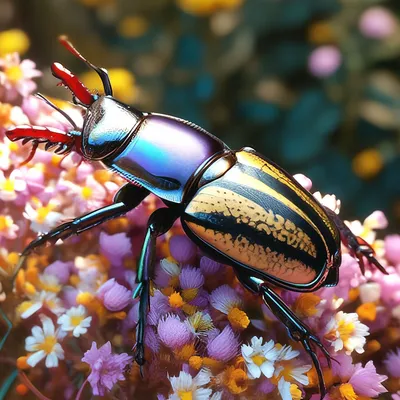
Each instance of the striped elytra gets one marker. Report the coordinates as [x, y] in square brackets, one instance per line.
[258, 216]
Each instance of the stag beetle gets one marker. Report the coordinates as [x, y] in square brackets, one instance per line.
[239, 208]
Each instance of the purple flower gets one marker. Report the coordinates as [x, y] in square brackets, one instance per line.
[114, 296]
[392, 363]
[115, 247]
[392, 248]
[182, 249]
[159, 306]
[366, 382]
[151, 340]
[225, 346]
[61, 270]
[173, 332]
[209, 267]
[107, 368]
[377, 23]
[191, 278]
[324, 61]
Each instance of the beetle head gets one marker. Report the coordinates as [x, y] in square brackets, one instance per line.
[107, 122]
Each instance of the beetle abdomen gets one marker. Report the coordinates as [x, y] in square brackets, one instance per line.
[264, 222]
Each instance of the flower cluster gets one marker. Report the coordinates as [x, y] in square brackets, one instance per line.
[206, 336]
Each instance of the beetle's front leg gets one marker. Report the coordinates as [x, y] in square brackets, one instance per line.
[159, 223]
[297, 330]
[126, 199]
[357, 246]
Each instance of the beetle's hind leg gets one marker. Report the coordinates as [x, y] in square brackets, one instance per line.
[126, 199]
[297, 330]
[159, 223]
[357, 246]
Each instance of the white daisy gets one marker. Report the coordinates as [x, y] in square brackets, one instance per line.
[329, 200]
[289, 368]
[288, 391]
[346, 331]
[39, 300]
[170, 267]
[75, 320]
[187, 387]
[44, 343]
[42, 218]
[260, 358]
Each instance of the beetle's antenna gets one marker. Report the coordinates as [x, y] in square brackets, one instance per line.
[100, 71]
[63, 113]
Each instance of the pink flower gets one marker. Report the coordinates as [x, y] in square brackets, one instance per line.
[173, 332]
[304, 181]
[12, 186]
[8, 229]
[324, 61]
[115, 247]
[366, 382]
[89, 196]
[392, 248]
[377, 23]
[225, 346]
[16, 76]
[61, 270]
[107, 368]
[114, 296]
[392, 363]
[182, 249]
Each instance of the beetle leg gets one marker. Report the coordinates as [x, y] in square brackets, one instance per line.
[357, 246]
[126, 199]
[297, 330]
[159, 223]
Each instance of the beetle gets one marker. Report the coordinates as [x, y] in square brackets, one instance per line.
[239, 208]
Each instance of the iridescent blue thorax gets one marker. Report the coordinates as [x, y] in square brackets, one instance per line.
[164, 154]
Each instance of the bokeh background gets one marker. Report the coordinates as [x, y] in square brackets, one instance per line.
[313, 85]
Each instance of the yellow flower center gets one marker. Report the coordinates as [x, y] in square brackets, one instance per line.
[185, 395]
[14, 73]
[196, 362]
[345, 330]
[347, 392]
[8, 185]
[175, 300]
[238, 318]
[13, 146]
[258, 359]
[87, 192]
[4, 222]
[76, 320]
[48, 344]
[42, 213]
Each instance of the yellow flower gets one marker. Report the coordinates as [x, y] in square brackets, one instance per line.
[123, 83]
[235, 379]
[306, 305]
[13, 41]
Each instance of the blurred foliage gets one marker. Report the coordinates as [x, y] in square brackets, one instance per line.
[313, 85]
